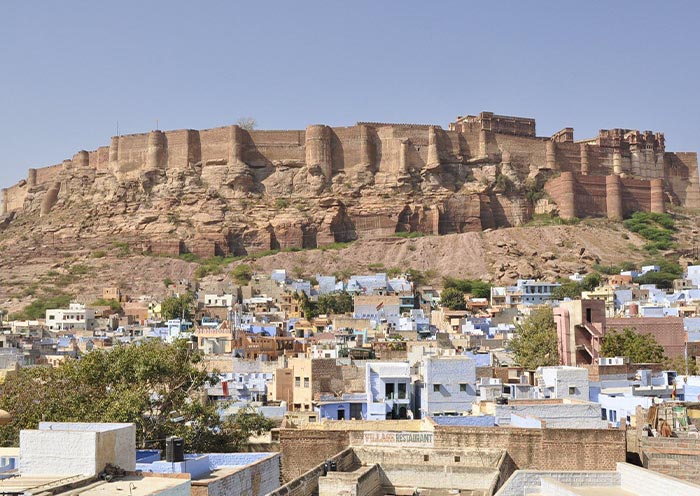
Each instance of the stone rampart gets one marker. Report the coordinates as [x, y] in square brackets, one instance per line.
[367, 180]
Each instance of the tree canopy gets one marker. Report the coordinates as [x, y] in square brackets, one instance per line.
[177, 307]
[332, 303]
[573, 289]
[479, 289]
[152, 384]
[640, 348]
[242, 273]
[453, 299]
[535, 342]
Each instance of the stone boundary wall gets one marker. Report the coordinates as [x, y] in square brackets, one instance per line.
[677, 457]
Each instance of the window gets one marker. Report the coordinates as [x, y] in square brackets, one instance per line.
[436, 388]
[462, 388]
[603, 414]
[402, 391]
[426, 458]
[306, 382]
[457, 459]
[297, 381]
[572, 390]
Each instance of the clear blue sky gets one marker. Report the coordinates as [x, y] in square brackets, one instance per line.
[70, 70]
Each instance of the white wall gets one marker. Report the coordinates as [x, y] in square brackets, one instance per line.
[76, 448]
[643, 482]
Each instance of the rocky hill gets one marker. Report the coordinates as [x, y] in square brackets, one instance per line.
[31, 266]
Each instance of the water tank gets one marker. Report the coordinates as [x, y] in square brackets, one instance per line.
[633, 309]
[174, 449]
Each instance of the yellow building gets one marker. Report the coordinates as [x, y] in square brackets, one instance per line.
[602, 293]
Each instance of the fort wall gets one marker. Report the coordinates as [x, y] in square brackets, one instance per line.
[613, 174]
[580, 195]
[13, 198]
[387, 148]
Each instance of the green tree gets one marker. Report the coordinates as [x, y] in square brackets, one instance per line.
[640, 348]
[335, 303]
[591, 281]
[308, 307]
[572, 289]
[113, 304]
[535, 343]
[152, 384]
[453, 299]
[242, 274]
[176, 307]
[682, 365]
[475, 287]
[569, 289]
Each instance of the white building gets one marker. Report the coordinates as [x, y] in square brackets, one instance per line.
[448, 385]
[694, 274]
[225, 300]
[75, 318]
[563, 382]
[388, 390]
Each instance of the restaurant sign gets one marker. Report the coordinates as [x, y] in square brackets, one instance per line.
[405, 439]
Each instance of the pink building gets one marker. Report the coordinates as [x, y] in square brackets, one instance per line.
[581, 325]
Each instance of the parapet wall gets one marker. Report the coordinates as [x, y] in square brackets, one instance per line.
[538, 449]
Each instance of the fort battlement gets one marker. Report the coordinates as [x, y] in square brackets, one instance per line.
[445, 177]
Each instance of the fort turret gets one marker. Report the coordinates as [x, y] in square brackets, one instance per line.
[657, 196]
[567, 203]
[318, 148]
[114, 153]
[4, 201]
[31, 178]
[403, 157]
[433, 160]
[236, 154]
[613, 197]
[617, 162]
[584, 159]
[155, 153]
[550, 155]
[81, 160]
[366, 155]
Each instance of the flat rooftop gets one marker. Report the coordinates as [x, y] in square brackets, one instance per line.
[134, 486]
